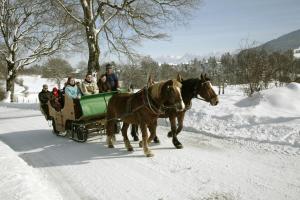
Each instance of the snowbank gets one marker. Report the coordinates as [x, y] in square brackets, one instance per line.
[20, 181]
[269, 116]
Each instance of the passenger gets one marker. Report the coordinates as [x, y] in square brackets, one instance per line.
[44, 97]
[88, 86]
[71, 89]
[56, 99]
[103, 85]
[113, 81]
[111, 77]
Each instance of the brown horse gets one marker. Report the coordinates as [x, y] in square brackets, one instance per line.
[191, 88]
[142, 108]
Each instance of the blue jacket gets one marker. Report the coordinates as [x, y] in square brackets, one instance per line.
[72, 91]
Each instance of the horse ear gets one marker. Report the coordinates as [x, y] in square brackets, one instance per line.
[150, 80]
[201, 77]
[205, 76]
[179, 78]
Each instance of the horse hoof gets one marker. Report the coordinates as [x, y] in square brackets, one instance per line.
[140, 144]
[130, 149]
[156, 140]
[111, 146]
[170, 134]
[149, 154]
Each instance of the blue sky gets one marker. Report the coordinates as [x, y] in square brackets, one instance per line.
[221, 25]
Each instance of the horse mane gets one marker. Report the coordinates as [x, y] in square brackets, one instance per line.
[155, 89]
[188, 87]
[189, 84]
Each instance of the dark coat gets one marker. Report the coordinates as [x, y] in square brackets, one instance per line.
[103, 87]
[113, 81]
[44, 97]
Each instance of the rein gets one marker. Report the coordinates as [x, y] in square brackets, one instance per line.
[201, 99]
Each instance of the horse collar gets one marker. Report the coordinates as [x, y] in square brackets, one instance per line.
[150, 102]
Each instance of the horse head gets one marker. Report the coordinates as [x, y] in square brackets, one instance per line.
[205, 90]
[168, 93]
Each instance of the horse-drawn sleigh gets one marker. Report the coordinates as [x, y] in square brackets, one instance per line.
[80, 117]
[101, 112]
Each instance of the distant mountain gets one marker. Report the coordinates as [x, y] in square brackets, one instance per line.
[170, 59]
[283, 43]
[186, 58]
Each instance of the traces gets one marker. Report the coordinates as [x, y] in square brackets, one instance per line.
[220, 196]
[283, 150]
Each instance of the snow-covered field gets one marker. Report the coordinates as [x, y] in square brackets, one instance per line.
[244, 148]
[32, 86]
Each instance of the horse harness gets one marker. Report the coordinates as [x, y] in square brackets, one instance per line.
[148, 103]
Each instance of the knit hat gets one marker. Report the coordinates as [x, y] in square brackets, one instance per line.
[108, 66]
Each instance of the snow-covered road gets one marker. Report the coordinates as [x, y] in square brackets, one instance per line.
[35, 164]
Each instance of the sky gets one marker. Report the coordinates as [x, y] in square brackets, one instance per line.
[220, 26]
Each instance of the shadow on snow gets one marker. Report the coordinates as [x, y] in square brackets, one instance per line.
[40, 148]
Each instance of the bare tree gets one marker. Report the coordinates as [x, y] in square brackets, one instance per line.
[81, 69]
[119, 25]
[132, 75]
[29, 30]
[57, 69]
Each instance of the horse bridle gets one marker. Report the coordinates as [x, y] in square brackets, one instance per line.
[196, 94]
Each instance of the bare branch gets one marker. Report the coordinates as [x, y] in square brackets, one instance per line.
[78, 20]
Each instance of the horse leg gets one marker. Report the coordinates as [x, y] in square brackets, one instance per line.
[175, 141]
[170, 133]
[125, 137]
[134, 132]
[147, 151]
[180, 118]
[110, 128]
[153, 135]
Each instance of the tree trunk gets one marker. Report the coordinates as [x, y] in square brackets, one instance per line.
[10, 80]
[94, 52]
[223, 88]
[91, 35]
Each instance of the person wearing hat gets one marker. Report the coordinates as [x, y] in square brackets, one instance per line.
[111, 77]
[44, 97]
